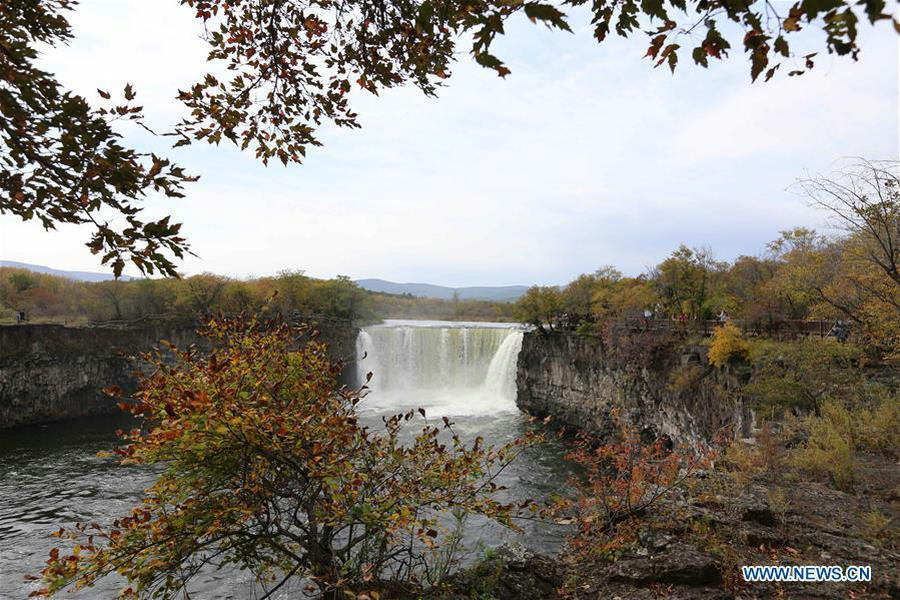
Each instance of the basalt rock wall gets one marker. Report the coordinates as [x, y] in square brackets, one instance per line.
[53, 372]
[578, 383]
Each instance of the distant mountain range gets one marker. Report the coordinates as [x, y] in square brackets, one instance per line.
[506, 293]
[77, 275]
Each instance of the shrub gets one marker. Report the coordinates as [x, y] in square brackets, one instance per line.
[878, 430]
[838, 432]
[879, 529]
[622, 481]
[800, 375]
[728, 345]
[744, 461]
[829, 449]
[267, 469]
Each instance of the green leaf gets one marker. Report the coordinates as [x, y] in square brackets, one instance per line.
[700, 57]
[781, 46]
[486, 59]
[550, 15]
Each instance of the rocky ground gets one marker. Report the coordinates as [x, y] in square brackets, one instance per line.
[696, 553]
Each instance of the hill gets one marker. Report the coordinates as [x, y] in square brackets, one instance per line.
[507, 293]
[76, 275]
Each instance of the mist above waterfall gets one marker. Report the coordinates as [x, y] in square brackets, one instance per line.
[450, 368]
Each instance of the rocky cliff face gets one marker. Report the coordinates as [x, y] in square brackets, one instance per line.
[52, 372]
[574, 380]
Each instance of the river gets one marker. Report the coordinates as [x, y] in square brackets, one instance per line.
[50, 475]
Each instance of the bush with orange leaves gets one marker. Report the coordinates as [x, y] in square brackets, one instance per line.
[623, 480]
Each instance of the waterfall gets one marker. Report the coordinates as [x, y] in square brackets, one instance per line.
[501, 375]
[468, 369]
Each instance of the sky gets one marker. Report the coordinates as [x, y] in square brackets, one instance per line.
[584, 156]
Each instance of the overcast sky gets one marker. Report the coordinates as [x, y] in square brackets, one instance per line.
[583, 156]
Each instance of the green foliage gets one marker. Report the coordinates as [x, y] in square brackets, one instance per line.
[800, 375]
[51, 298]
[263, 465]
[405, 306]
[685, 282]
[587, 303]
[728, 346]
[577, 298]
[539, 306]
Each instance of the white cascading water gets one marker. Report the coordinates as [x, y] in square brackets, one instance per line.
[451, 370]
[501, 375]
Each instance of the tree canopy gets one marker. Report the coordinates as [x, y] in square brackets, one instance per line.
[291, 65]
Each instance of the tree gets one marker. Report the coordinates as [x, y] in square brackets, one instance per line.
[292, 65]
[539, 306]
[864, 199]
[203, 293]
[153, 296]
[684, 281]
[578, 297]
[767, 287]
[114, 293]
[267, 468]
[61, 160]
[22, 280]
[856, 277]
[240, 297]
[340, 297]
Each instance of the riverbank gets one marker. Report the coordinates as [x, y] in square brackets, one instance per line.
[693, 545]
